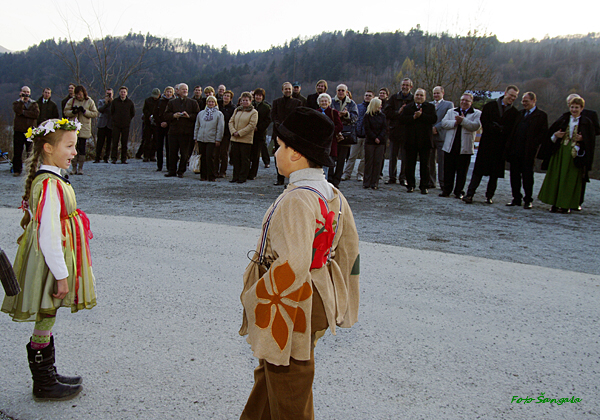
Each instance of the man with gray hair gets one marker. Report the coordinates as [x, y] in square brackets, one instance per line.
[349, 115]
[442, 106]
[181, 112]
[26, 114]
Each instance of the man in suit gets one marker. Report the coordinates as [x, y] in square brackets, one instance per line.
[497, 119]
[48, 108]
[460, 126]
[393, 112]
[282, 107]
[593, 117]
[418, 118]
[531, 126]
[26, 115]
[311, 100]
[441, 108]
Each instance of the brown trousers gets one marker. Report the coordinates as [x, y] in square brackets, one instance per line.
[285, 392]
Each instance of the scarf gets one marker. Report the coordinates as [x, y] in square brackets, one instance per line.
[208, 115]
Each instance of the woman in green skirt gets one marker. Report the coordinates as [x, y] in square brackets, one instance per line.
[567, 156]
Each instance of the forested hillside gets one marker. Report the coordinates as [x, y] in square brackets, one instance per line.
[551, 67]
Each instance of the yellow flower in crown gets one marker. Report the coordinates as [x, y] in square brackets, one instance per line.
[50, 126]
[29, 132]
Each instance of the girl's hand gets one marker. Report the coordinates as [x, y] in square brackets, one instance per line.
[577, 137]
[559, 134]
[63, 289]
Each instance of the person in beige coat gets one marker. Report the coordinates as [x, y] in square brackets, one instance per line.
[82, 108]
[241, 127]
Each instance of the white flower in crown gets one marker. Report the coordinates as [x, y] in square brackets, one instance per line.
[51, 126]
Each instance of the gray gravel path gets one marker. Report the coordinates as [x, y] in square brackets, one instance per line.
[442, 335]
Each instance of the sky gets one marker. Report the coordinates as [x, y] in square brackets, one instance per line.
[258, 25]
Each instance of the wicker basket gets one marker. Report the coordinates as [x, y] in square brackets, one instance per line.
[7, 276]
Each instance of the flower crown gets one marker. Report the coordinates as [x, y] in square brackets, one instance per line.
[51, 126]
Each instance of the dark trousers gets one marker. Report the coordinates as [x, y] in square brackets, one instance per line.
[422, 150]
[206, 151]
[240, 157]
[104, 138]
[519, 170]
[255, 152]
[81, 142]
[264, 151]
[179, 144]
[222, 156]
[374, 154]
[120, 136]
[162, 140]
[19, 140]
[147, 146]
[455, 165]
[476, 180]
[397, 150]
[335, 175]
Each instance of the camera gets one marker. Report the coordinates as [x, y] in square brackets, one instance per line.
[24, 95]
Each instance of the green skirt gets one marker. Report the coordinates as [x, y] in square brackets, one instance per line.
[563, 182]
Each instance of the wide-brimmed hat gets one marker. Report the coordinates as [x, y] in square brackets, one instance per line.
[310, 133]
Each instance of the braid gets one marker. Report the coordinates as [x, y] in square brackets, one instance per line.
[32, 167]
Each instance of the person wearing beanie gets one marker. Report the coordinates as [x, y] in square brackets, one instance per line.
[304, 274]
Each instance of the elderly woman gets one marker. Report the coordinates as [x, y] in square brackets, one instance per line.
[83, 109]
[376, 137]
[324, 101]
[241, 126]
[568, 156]
[208, 133]
[162, 136]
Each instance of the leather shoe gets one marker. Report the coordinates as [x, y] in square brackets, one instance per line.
[443, 194]
[179, 175]
[424, 191]
[390, 181]
[489, 201]
[468, 199]
[459, 196]
[169, 174]
[410, 189]
[514, 203]
[403, 183]
[278, 183]
[528, 205]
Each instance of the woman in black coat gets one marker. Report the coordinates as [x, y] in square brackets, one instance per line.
[376, 131]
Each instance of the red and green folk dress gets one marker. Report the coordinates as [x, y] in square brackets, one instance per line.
[56, 221]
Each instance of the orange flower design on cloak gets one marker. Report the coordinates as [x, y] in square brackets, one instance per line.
[281, 279]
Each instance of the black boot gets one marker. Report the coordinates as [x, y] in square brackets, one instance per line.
[67, 380]
[45, 385]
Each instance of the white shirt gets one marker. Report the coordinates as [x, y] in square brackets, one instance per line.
[50, 234]
[312, 177]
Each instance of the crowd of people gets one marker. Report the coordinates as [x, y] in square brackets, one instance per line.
[440, 136]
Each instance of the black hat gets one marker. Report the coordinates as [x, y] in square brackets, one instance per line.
[310, 133]
[296, 84]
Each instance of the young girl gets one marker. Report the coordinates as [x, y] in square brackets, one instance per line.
[53, 264]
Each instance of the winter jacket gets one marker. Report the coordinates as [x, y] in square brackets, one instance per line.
[85, 117]
[209, 131]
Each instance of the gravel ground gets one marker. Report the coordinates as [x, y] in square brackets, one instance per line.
[462, 307]
[388, 216]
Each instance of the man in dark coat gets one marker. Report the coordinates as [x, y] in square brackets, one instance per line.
[530, 129]
[497, 119]
[181, 113]
[260, 132]
[282, 107]
[122, 111]
[71, 94]
[296, 88]
[149, 127]
[311, 100]
[104, 125]
[26, 115]
[418, 118]
[393, 111]
[48, 109]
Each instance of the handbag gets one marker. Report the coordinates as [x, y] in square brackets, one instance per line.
[347, 136]
[194, 162]
[7, 276]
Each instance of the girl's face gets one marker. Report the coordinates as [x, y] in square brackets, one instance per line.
[168, 94]
[79, 96]
[246, 102]
[61, 154]
[211, 103]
